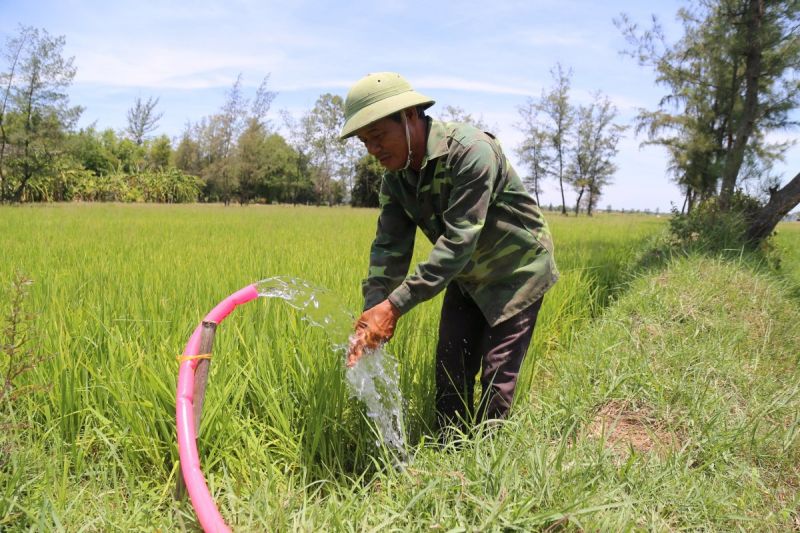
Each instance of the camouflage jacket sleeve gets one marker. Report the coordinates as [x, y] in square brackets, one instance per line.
[474, 173]
[390, 255]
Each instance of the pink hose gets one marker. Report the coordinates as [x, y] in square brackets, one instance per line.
[199, 494]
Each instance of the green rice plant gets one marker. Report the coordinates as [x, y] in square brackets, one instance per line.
[786, 240]
[120, 288]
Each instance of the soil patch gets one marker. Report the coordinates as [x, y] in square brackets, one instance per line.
[625, 428]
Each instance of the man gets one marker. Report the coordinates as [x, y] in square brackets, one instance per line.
[492, 250]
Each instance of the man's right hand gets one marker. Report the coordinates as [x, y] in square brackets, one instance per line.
[374, 327]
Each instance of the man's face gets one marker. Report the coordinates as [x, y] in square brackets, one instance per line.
[386, 140]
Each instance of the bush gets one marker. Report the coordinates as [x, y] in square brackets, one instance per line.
[709, 228]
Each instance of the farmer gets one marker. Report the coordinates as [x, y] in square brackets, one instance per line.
[492, 250]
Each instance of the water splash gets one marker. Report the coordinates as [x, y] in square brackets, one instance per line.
[374, 379]
[319, 306]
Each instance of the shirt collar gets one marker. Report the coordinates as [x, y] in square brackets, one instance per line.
[436, 146]
[437, 141]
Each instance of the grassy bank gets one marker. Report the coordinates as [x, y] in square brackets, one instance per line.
[119, 288]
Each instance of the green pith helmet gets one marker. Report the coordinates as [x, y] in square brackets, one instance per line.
[376, 96]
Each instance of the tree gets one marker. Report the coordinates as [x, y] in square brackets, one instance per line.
[221, 132]
[323, 124]
[731, 80]
[457, 114]
[128, 157]
[559, 114]
[780, 203]
[596, 140]
[546, 124]
[159, 153]
[188, 155]
[298, 139]
[534, 151]
[13, 53]
[322, 155]
[208, 148]
[142, 119]
[88, 149]
[369, 174]
[35, 112]
[265, 166]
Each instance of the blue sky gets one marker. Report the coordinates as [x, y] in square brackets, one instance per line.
[486, 57]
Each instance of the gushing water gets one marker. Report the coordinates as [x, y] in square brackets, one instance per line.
[374, 379]
[320, 308]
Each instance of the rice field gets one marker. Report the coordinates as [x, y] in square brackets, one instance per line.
[117, 290]
[787, 241]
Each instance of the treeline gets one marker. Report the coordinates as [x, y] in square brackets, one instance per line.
[43, 157]
[235, 154]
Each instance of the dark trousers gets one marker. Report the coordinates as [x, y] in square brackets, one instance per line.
[467, 343]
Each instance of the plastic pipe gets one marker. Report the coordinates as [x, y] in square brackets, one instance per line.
[199, 495]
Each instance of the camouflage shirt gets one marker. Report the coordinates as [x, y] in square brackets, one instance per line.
[488, 234]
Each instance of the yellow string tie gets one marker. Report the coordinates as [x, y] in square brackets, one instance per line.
[182, 358]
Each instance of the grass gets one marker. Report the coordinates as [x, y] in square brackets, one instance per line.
[118, 289]
[786, 240]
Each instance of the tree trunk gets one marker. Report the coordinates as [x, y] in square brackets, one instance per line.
[578, 202]
[753, 55]
[561, 183]
[780, 203]
[6, 96]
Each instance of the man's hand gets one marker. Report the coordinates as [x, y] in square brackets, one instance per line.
[374, 327]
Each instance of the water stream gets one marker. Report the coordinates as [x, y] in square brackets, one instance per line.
[374, 379]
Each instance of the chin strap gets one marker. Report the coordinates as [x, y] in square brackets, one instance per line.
[408, 138]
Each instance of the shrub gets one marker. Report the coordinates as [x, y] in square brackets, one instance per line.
[709, 228]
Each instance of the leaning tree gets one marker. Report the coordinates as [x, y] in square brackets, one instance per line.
[731, 80]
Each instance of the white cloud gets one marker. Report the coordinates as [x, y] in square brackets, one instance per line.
[158, 67]
[462, 84]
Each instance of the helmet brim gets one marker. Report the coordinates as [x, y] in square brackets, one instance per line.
[383, 108]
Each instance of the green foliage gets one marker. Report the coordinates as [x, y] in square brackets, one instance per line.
[142, 120]
[188, 155]
[709, 227]
[163, 186]
[595, 145]
[322, 157]
[93, 150]
[266, 168]
[159, 153]
[369, 174]
[34, 110]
